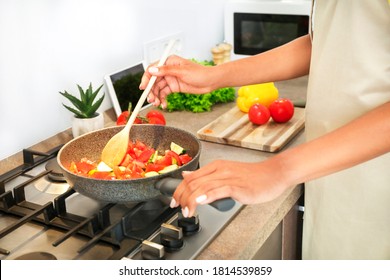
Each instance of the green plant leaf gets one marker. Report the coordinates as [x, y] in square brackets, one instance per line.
[89, 95]
[92, 110]
[77, 113]
[76, 102]
[83, 96]
[92, 94]
[84, 106]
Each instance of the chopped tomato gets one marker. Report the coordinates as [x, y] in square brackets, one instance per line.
[185, 158]
[84, 167]
[126, 161]
[102, 175]
[125, 173]
[145, 155]
[140, 146]
[165, 160]
[134, 165]
[137, 175]
[154, 167]
[119, 173]
[139, 164]
[175, 157]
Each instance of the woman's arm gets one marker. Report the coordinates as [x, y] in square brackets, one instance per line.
[363, 139]
[181, 75]
[286, 62]
[358, 141]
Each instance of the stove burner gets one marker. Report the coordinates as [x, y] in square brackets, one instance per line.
[56, 171]
[49, 187]
[54, 182]
[37, 256]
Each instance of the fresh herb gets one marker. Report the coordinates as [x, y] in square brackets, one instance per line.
[197, 103]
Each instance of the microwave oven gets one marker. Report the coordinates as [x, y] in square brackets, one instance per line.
[255, 26]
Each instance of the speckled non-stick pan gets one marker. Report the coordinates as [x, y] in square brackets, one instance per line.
[121, 191]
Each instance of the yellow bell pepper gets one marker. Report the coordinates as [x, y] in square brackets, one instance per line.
[264, 94]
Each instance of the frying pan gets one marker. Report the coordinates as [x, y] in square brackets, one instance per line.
[159, 137]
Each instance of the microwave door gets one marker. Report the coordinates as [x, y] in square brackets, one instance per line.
[257, 33]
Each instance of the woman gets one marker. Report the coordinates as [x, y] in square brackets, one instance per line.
[345, 161]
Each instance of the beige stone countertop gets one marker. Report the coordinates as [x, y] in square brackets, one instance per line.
[250, 228]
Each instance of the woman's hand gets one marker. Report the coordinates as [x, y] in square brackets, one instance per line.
[247, 183]
[177, 75]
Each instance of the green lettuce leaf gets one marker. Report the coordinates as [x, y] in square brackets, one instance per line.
[198, 103]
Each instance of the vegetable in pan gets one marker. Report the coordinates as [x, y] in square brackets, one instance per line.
[140, 161]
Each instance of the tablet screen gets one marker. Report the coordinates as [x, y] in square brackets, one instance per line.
[123, 87]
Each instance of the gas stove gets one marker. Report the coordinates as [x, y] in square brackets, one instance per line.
[42, 217]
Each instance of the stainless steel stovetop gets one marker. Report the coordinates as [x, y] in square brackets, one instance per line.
[42, 219]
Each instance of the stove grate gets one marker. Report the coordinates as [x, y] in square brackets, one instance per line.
[121, 232]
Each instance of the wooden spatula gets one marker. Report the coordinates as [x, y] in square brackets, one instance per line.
[116, 148]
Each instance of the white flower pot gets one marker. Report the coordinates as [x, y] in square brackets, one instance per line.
[82, 126]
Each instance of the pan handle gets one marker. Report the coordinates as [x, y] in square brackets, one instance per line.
[168, 185]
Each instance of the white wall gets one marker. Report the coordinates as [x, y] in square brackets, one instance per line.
[47, 46]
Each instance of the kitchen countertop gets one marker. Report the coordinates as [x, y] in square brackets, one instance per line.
[254, 223]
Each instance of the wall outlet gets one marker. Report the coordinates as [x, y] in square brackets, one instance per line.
[153, 50]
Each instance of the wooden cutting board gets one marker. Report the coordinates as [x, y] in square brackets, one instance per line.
[234, 128]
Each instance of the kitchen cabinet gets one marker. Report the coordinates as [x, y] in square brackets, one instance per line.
[285, 241]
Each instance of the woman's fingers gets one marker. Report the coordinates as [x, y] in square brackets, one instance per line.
[245, 182]
[197, 189]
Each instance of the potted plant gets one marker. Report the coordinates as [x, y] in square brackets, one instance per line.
[86, 118]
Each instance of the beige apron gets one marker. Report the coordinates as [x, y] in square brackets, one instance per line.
[347, 214]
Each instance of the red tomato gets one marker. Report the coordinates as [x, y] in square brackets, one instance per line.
[122, 119]
[138, 120]
[154, 167]
[165, 160]
[258, 114]
[156, 121]
[140, 146]
[153, 115]
[185, 158]
[145, 155]
[282, 110]
[174, 156]
[84, 167]
[102, 175]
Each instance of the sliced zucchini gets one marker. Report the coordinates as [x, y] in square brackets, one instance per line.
[151, 173]
[176, 148]
[153, 157]
[103, 167]
[169, 168]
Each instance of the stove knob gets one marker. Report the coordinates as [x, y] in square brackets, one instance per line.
[189, 225]
[152, 251]
[171, 237]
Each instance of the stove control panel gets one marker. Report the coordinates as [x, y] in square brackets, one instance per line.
[171, 237]
[182, 238]
[152, 251]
